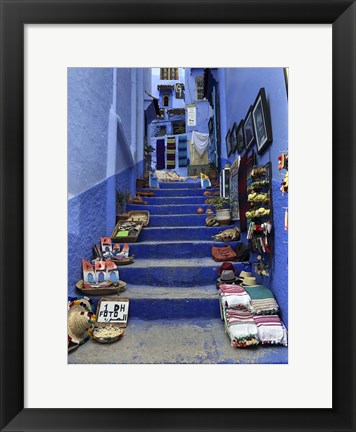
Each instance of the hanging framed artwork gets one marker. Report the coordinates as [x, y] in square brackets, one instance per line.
[228, 143]
[262, 122]
[248, 130]
[233, 138]
[240, 137]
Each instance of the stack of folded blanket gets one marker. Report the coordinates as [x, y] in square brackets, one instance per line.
[270, 329]
[241, 326]
[262, 300]
[250, 316]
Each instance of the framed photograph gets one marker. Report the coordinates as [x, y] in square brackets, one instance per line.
[262, 122]
[233, 138]
[68, 408]
[228, 143]
[240, 137]
[248, 130]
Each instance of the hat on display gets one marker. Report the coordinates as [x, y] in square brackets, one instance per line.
[227, 277]
[226, 266]
[80, 320]
[244, 274]
[249, 281]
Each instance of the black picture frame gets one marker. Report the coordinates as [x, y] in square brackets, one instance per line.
[240, 139]
[342, 15]
[233, 138]
[262, 122]
[249, 130]
[228, 143]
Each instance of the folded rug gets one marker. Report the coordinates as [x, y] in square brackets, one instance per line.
[171, 152]
[234, 296]
[262, 300]
[241, 327]
[270, 329]
[160, 154]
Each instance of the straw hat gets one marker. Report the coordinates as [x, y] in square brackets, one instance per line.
[80, 319]
[244, 274]
[249, 281]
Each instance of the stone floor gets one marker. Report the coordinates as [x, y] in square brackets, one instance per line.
[175, 341]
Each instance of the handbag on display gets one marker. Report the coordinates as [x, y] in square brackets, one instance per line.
[225, 253]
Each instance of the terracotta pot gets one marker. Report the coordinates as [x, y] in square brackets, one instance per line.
[200, 210]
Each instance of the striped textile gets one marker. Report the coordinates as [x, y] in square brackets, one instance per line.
[262, 300]
[240, 327]
[171, 152]
[234, 296]
[182, 151]
[270, 329]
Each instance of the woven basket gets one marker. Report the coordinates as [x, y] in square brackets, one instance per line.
[117, 334]
[140, 216]
[129, 238]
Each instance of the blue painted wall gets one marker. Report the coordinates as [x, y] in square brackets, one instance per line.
[100, 158]
[238, 90]
[203, 106]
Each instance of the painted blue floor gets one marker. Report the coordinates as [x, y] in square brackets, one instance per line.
[174, 312]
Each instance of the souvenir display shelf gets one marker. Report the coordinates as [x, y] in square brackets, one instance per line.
[260, 223]
[234, 194]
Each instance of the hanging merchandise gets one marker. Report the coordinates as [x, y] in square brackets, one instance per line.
[245, 168]
[160, 154]
[285, 183]
[283, 161]
[171, 152]
[260, 215]
[200, 141]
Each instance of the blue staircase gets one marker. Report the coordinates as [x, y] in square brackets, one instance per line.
[174, 275]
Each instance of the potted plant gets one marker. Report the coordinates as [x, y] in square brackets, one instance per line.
[222, 209]
[213, 175]
[122, 197]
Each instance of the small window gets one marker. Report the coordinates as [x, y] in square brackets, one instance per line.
[162, 131]
[199, 87]
[166, 101]
[169, 74]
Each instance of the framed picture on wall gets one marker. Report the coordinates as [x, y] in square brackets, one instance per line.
[248, 130]
[233, 138]
[240, 137]
[228, 143]
[262, 121]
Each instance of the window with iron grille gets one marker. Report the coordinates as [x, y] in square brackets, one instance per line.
[169, 74]
[199, 87]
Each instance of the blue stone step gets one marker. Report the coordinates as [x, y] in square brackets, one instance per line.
[147, 302]
[175, 249]
[152, 302]
[177, 220]
[180, 185]
[161, 234]
[177, 192]
[174, 209]
[174, 272]
[176, 200]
